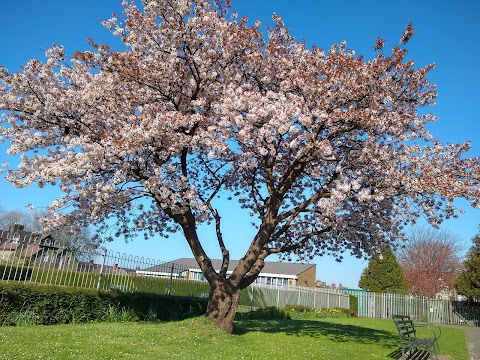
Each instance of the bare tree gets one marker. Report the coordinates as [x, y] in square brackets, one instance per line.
[80, 240]
[12, 217]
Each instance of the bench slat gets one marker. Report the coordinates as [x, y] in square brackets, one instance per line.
[408, 336]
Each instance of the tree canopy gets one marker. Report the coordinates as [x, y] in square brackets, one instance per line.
[384, 274]
[468, 283]
[327, 151]
[431, 260]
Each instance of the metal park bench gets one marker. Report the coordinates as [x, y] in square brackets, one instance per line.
[407, 332]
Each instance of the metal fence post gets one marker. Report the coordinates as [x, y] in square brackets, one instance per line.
[101, 270]
[170, 285]
[251, 300]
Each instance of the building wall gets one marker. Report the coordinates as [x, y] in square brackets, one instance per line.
[5, 255]
[307, 278]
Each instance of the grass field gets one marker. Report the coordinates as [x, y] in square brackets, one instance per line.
[350, 339]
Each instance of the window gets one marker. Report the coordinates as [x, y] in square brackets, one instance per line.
[198, 276]
[16, 238]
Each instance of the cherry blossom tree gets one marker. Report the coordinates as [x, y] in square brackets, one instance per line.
[431, 260]
[325, 150]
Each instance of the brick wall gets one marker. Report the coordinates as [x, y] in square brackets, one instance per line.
[307, 278]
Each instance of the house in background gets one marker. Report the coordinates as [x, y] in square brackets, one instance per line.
[28, 247]
[279, 274]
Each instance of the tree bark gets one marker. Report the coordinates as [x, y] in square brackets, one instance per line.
[222, 305]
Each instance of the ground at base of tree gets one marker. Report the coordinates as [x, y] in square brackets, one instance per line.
[350, 338]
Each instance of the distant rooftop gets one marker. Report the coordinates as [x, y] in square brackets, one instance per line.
[270, 267]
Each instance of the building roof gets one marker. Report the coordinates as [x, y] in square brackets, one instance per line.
[31, 243]
[23, 236]
[271, 267]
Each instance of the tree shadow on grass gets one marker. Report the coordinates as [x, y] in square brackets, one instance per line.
[413, 355]
[323, 329]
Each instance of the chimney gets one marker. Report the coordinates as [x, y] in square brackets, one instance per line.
[14, 230]
[17, 228]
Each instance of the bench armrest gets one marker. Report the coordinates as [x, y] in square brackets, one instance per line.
[436, 333]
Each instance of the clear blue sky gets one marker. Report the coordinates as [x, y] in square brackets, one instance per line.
[447, 33]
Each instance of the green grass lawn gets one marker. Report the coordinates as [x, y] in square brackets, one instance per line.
[351, 339]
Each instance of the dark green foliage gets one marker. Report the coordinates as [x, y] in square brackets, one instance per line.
[268, 313]
[15, 273]
[85, 279]
[175, 287]
[468, 283]
[298, 308]
[49, 305]
[294, 312]
[384, 274]
[305, 312]
[353, 305]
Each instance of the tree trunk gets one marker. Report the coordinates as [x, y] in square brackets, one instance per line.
[222, 306]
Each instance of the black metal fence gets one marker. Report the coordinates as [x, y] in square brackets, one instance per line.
[52, 263]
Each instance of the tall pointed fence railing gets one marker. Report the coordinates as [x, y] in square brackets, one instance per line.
[51, 263]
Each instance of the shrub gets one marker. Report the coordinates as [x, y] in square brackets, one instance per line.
[59, 305]
[24, 318]
[298, 308]
[114, 314]
[268, 313]
[305, 312]
[353, 305]
[15, 273]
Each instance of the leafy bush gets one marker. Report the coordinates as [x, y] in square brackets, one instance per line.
[48, 305]
[173, 287]
[24, 318]
[114, 314]
[87, 279]
[304, 312]
[353, 305]
[15, 273]
[298, 308]
[268, 313]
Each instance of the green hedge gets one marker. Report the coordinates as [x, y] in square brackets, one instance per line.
[108, 282]
[305, 312]
[49, 305]
[177, 287]
[353, 304]
[268, 313]
[15, 273]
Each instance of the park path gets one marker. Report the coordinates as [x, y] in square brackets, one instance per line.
[473, 336]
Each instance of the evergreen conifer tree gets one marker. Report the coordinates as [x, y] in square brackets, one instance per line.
[384, 274]
[468, 283]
